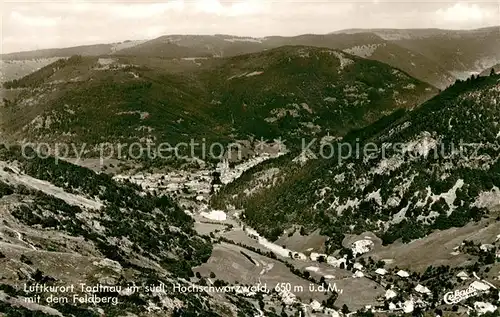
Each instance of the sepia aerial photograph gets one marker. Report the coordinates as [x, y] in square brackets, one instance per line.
[249, 158]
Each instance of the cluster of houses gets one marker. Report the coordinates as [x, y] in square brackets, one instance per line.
[197, 184]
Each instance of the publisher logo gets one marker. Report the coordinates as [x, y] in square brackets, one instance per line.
[474, 289]
[457, 296]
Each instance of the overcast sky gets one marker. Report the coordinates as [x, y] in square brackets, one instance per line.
[60, 23]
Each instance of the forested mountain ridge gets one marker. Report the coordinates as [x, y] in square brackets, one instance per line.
[295, 91]
[431, 55]
[432, 168]
[284, 92]
[366, 45]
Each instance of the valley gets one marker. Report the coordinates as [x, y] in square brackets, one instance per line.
[290, 272]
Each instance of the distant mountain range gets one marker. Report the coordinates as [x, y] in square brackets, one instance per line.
[431, 55]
